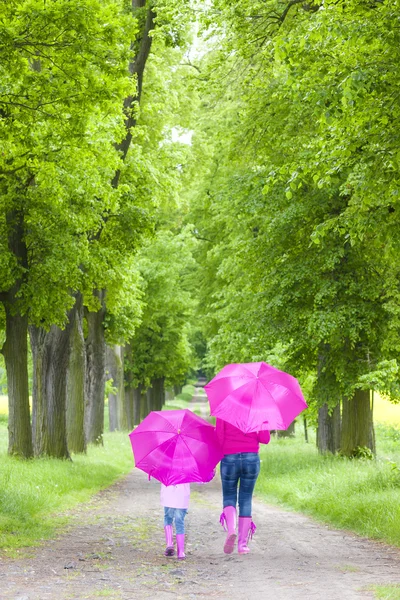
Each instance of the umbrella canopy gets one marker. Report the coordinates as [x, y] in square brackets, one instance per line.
[255, 396]
[176, 446]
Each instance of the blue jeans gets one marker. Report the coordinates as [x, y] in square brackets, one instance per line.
[177, 514]
[243, 467]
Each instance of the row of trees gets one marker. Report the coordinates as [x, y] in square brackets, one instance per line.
[297, 206]
[88, 173]
[276, 226]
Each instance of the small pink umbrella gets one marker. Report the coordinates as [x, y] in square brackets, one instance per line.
[176, 446]
[255, 396]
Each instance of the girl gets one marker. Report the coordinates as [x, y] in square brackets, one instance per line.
[175, 500]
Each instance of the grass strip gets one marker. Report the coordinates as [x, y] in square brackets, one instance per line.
[387, 592]
[34, 493]
[359, 495]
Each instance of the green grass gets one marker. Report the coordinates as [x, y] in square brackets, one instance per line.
[359, 495]
[387, 592]
[34, 494]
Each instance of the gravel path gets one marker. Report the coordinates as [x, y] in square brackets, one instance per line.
[114, 549]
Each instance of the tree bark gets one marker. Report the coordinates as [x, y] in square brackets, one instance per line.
[132, 409]
[144, 410]
[357, 424]
[141, 48]
[159, 392]
[129, 406]
[15, 348]
[113, 420]
[150, 399]
[123, 408]
[115, 367]
[177, 389]
[76, 383]
[289, 432]
[305, 429]
[112, 412]
[95, 347]
[51, 351]
[328, 430]
[137, 394]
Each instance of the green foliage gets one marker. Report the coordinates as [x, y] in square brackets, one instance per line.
[295, 202]
[64, 77]
[363, 452]
[160, 347]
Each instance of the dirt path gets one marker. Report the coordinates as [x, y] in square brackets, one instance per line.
[114, 549]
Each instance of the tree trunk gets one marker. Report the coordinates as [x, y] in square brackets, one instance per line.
[132, 407]
[150, 399]
[111, 369]
[177, 389]
[95, 373]
[289, 432]
[129, 406]
[305, 429]
[50, 350]
[357, 425]
[141, 48]
[15, 350]
[112, 412]
[328, 431]
[76, 384]
[137, 394]
[123, 409]
[144, 410]
[115, 367]
[158, 392]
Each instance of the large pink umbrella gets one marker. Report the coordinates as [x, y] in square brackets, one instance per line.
[176, 446]
[255, 396]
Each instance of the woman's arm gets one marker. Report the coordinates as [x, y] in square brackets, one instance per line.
[219, 428]
[264, 437]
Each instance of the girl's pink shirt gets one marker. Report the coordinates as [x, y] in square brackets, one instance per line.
[175, 496]
[233, 440]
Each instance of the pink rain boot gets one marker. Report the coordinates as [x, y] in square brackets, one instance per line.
[246, 531]
[169, 550]
[228, 517]
[180, 544]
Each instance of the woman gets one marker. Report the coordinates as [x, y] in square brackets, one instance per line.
[239, 467]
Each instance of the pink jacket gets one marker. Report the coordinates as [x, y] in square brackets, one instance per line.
[233, 440]
[175, 496]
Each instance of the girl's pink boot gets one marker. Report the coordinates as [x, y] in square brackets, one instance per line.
[180, 545]
[169, 550]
